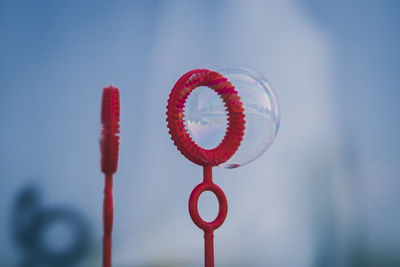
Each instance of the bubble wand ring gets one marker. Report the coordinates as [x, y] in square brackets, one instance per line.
[207, 158]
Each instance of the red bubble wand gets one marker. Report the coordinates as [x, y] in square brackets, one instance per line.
[109, 147]
[207, 158]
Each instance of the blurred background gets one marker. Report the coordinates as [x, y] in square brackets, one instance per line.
[327, 192]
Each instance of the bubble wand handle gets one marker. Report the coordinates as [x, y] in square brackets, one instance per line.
[208, 227]
[108, 215]
[209, 249]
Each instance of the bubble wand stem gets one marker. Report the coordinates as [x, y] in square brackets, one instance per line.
[108, 215]
[208, 227]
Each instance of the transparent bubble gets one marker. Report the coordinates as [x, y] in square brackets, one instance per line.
[206, 119]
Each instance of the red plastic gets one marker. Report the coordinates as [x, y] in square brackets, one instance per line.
[175, 117]
[206, 157]
[109, 147]
[208, 227]
[110, 133]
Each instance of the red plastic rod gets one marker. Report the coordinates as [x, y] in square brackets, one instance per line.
[108, 215]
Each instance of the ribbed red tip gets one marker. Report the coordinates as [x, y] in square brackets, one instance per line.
[110, 115]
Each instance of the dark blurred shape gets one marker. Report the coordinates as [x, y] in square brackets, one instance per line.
[360, 258]
[32, 224]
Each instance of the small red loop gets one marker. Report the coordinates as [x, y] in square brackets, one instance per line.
[235, 111]
[194, 212]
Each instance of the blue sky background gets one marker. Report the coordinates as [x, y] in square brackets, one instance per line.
[325, 194]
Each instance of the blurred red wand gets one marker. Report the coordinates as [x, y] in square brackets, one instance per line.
[109, 161]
